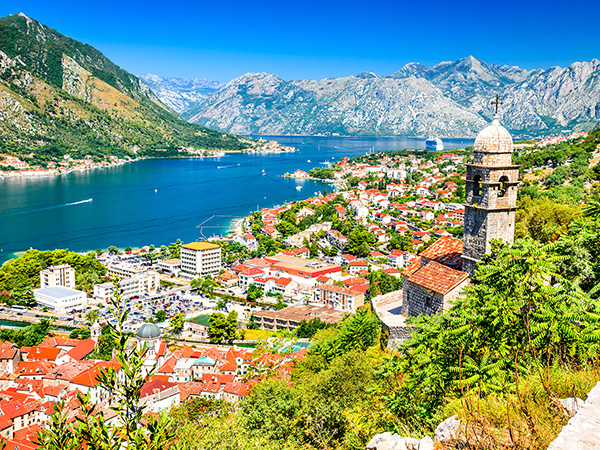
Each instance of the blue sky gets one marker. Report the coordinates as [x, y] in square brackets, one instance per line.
[318, 39]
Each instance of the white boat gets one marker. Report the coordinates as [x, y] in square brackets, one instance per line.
[298, 188]
[434, 144]
[308, 160]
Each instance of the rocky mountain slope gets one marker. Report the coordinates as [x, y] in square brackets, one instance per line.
[181, 94]
[59, 94]
[451, 99]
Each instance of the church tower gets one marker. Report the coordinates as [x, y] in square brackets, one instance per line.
[491, 193]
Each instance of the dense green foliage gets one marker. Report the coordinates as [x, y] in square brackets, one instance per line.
[20, 275]
[26, 336]
[222, 327]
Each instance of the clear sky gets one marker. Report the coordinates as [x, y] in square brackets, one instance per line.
[315, 39]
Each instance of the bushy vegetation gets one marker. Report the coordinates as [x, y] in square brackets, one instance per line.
[18, 276]
[27, 336]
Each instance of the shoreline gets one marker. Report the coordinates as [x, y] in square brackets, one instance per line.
[43, 173]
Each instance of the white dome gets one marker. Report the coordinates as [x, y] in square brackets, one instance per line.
[494, 139]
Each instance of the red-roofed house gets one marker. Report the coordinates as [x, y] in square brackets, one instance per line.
[337, 297]
[158, 395]
[357, 266]
[432, 289]
[248, 276]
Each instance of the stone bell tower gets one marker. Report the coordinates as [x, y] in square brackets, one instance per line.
[491, 193]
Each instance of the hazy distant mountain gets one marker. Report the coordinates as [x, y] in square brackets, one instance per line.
[58, 94]
[181, 94]
[451, 99]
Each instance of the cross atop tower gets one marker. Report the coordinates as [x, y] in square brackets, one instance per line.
[497, 102]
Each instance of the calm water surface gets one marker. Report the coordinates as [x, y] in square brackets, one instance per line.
[157, 201]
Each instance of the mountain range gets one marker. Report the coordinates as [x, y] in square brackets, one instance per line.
[450, 99]
[58, 94]
[180, 94]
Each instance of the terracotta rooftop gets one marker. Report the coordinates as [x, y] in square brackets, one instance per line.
[447, 251]
[437, 277]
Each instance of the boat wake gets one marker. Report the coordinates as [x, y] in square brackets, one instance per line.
[76, 203]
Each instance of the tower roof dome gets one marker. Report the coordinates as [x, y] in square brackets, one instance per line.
[148, 331]
[494, 139]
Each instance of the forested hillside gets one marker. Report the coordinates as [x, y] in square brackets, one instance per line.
[58, 94]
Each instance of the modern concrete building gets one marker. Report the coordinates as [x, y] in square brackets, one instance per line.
[130, 287]
[63, 275]
[199, 259]
[60, 299]
[289, 318]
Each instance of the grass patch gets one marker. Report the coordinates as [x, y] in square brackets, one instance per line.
[260, 334]
[202, 319]
[528, 420]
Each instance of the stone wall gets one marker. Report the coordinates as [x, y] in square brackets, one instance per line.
[583, 430]
[422, 301]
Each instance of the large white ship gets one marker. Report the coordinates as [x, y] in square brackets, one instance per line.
[434, 144]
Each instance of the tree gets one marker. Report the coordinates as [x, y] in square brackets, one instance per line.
[113, 250]
[151, 248]
[91, 317]
[175, 249]
[254, 292]
[222, 327]
[80, 333]
[160, 316]
[279, 305]
[403, 243]
[99, 252]
[128, 249]
[85, 281]
[307, 329]
[176, 323]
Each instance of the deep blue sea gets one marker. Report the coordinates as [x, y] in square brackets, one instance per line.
[157, 201]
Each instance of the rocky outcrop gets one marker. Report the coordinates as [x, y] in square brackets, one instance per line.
[451, 99]
[389, 441]
[446, 432]
[180, 94]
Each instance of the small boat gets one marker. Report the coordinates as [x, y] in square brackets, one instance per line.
[308, 160]
[264, 174]
[155, 190]
[298, 188]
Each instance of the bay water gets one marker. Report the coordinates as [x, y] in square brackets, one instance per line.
[156, 201]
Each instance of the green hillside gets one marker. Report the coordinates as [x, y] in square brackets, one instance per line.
[58, 94]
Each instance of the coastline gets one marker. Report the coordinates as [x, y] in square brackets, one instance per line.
[39, 173]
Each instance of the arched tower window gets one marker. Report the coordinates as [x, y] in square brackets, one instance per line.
[477, 186]
[503, 186]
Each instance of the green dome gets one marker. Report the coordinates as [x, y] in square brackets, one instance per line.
[148, 331]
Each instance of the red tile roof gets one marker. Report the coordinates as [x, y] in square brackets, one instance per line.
[413, 267]
[43, 354]
[90, 376]
[438, 278]
[82, 349]
[155, 385]
[447, 251]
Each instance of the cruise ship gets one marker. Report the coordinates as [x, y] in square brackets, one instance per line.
[434, 144]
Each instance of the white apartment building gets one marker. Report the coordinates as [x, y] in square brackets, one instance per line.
[60, 299]
[122, 270]
[199, 259]
[63, 275]
[130, 287]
